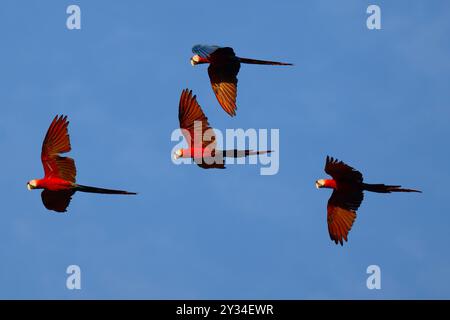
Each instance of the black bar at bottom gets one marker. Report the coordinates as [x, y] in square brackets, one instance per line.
[232, 309]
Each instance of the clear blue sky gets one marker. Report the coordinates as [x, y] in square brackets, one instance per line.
[378, 100]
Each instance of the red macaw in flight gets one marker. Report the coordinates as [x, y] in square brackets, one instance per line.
[348, 188]
[223, 68]
[201, 138]
[60, 172]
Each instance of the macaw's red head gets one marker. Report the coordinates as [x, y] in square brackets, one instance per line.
[32, 185]
[178, 154]
[197, 60]
[326, 183]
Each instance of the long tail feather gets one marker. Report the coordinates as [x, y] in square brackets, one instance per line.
[242, 153]
[253, 153]
[382, 188]
[101, 190]
[273, 63]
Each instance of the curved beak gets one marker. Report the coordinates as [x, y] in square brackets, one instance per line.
[318, 185]
[193, 62]
[29, 187]
[175, 156]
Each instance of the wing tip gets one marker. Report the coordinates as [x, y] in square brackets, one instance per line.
[188, 92]
[339, 240]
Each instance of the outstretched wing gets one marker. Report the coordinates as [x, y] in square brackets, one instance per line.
[223, 77]
[223, 69]
[193, 122]
[56, 142]
[341, 212]
[57, 200]
[341, 171]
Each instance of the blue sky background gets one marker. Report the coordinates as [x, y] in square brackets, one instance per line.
[378, 100]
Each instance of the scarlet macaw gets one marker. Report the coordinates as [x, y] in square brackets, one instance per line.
[223, 68]
[348, 187]
[201, 138]
[60, 172]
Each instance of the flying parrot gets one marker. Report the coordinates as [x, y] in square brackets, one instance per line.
[201, 138]
[223, 68]
[348, 188]
[59, 183]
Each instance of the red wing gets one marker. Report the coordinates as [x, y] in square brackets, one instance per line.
[224, 81]
[193, 122]
[57, 200]
[340, 171]
[341, 213]
[56, 142]
[340, 222]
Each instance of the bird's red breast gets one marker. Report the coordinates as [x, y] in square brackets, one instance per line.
[54, 184]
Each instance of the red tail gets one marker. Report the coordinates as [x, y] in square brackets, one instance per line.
[273, 63]
[382, 188]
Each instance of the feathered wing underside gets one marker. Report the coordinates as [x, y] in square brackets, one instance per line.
[57, 200]
[196, 129]
[223, 69]
[193, 122]
[224, 82]
[344, 202]
[56, 142]
[66, 169]
[341, 171]
[341, 213]
[340, 222]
